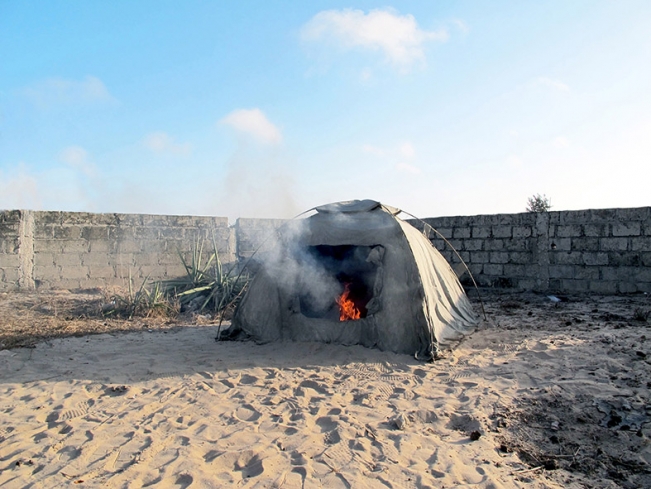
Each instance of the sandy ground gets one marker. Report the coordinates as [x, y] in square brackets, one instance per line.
[544, 395]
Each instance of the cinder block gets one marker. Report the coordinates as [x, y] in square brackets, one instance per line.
[493, 269]
[67, 232]
[95, 259]
[494, 244]
[521, 232]
[9, 228]
[44, 259]
[9, 261]
[103, 272]
[46, 273]
[499, 257]
[574, 285]
[78, 246]
[513, 271]
[595, 230]
[102, 246]
[626, 229]
[526, 284]
[129, 246]
[643, 274]
[633, 213]
[595, 259]
[74, 272]
[67, 259]
[646, 227]
[9, 245]
[479, 257]
[601, 215]
[461, 232]
[172, 271]
[476, 268]
[502, 231]
[566, 258]
[642, 243]
[148, 258]
[614, 244]
[480, 231]
[47, 246]
[618, 274]
[473, 244]
[532, 271]
[646, 259]
[132, 220]
[603, 287]
[521, 257]
[584, 244]
[176, 245]
[47, 217]
[561, 244]
[146, 233]
[586, 273]
[172, 233]
[624, 259]
[626, 288]
[561, 271]
[445, 232]
[517, 244]
[94, 233]
[572, 231]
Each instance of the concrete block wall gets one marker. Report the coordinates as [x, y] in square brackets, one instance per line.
[10, 259]
[75, 250]
[252, 234]
[596, 250]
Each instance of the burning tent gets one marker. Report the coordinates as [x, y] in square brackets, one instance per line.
[354, 273]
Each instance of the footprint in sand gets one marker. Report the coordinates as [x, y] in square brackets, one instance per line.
[248, 413]
[81, 409]
[248, 379]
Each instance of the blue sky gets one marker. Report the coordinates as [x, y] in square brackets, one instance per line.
[266, 109]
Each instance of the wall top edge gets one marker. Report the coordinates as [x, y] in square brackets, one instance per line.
[126, 216]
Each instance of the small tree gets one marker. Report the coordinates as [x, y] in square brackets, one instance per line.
[539, 203]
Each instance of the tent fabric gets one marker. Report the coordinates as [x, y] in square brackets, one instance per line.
[417, 304]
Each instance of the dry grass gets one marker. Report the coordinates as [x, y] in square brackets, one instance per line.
[27, 318]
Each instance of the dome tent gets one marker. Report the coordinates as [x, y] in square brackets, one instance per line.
[354, 273]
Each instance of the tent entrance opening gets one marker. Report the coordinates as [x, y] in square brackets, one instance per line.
[350, 273]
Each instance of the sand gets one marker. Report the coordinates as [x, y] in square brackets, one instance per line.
[544, 395]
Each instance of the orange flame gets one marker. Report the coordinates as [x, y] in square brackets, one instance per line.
[347, 309]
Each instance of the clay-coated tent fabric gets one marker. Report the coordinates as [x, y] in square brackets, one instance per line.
[418, 304]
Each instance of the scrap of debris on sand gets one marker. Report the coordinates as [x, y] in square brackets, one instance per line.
[547, 394]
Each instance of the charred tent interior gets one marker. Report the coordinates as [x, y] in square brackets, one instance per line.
[355, 268]
[354, 273]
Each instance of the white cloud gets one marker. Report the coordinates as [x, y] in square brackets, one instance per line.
[162, 143]
[397, 36]
[407, 168]
[407, 150]
[561, 142]
[254, 123]
[77, 158]
[55, 91]
[554, 84]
